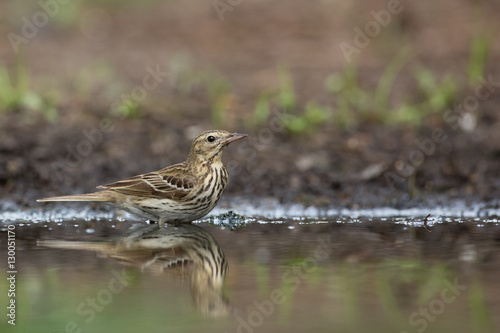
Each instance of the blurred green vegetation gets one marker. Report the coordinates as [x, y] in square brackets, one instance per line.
[482, 37]
[356, 104]
[294, 120]
[17, 95]
[480, 316]
[353, 102]
[346, 101]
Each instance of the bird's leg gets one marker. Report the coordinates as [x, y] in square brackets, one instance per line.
[161, 222]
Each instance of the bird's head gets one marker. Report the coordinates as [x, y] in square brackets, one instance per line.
[210, 144]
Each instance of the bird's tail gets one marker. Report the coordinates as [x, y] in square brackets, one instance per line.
[71, 245]
[96, 196]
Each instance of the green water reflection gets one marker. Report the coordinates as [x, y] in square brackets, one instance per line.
[259, 278]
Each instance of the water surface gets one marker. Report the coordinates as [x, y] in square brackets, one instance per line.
[323, 273]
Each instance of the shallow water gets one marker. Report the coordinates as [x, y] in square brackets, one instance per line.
[293, 271]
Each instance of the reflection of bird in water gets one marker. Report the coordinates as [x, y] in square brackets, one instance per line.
[181, 251]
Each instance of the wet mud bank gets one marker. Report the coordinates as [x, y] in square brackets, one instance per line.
[365, 168]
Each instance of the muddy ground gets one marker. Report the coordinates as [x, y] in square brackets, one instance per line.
[368, 164]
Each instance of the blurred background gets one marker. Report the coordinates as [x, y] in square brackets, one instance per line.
[364, 118]
[395, 100]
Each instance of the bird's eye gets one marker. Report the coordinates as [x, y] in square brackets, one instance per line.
[211, 138]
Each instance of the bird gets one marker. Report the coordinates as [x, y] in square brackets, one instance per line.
[180, 193]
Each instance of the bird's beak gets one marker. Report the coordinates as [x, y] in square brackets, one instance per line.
[233, 137]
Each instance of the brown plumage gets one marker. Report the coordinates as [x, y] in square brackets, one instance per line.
[180, 193]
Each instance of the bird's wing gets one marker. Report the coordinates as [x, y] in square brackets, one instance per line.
[171, 183]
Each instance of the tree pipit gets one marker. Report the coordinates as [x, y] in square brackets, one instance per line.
[180, 193]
